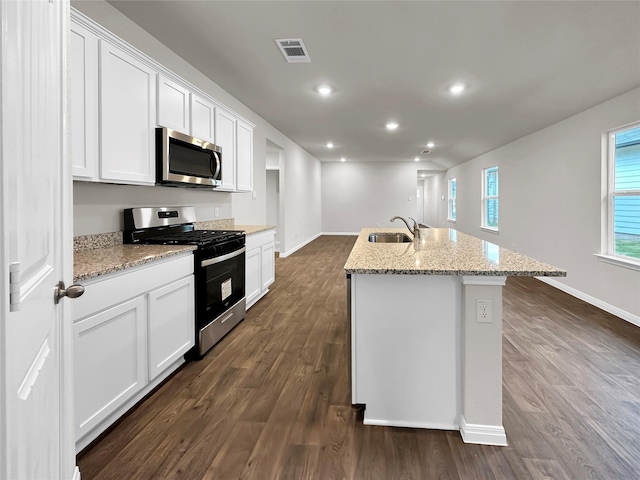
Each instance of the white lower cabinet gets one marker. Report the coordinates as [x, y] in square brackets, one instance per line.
[260, 265]
[110, 361]
[268, 272]
[253, 284]
[131, 330]
[169, 335]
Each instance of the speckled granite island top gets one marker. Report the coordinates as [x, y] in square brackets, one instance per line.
[100, 261]
[442, 251]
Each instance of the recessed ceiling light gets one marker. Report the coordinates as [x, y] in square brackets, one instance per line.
[457, 89]
[325, 90]
[343, 159]
[392, 125]
[417, 159]
[329, 145]
[430, 145]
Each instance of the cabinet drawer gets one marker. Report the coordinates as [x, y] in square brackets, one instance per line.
[102, 293]
[258, 239]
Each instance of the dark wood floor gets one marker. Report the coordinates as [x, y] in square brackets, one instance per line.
[271, 401]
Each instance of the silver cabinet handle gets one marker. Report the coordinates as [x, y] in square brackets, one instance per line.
[74, 291]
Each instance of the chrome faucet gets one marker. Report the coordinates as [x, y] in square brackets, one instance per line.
[415, 231]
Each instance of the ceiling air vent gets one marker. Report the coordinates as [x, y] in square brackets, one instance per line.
[425, 152]
[293, 50]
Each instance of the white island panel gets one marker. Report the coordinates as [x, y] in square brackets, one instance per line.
[406, 350]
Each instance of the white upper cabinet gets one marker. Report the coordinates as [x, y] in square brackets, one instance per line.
[173, 105]
[127, 114]
[244, 157]
[226, 139]
[119, 96]
[83, 78]
[203, 114]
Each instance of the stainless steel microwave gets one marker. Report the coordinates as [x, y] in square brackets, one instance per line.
[185, 161]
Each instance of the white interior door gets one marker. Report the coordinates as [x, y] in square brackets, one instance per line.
[36, 413]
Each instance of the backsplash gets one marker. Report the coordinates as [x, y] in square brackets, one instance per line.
[222, 224]
[97, 240]
[111, 239]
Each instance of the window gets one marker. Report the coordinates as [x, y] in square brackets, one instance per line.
[624, 193]
[490, 198]
[452, 200]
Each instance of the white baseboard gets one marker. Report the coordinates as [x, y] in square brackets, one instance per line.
[298, 247]
[402, 424]
[618, 312]
[341, 233]
[482, 434]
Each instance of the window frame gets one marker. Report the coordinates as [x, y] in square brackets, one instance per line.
[485, 198]
[452, 200]
[609, 194]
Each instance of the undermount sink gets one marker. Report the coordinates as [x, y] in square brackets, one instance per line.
[384, 237]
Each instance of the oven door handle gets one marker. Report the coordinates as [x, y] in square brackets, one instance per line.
[212, 261]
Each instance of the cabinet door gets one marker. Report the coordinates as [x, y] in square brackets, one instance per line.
[110, 361]
[253, 280]
[202, 118]
[244, 157]
[267, 274]
[83, 80]
[128, 117]
[171, 324]
[226, 138]
[173, 105]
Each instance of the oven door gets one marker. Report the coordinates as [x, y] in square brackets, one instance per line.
[220, 297]
[223, 282]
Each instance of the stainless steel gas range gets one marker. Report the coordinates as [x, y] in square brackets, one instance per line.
[219, 266]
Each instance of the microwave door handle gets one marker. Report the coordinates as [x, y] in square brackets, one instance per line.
[217, 157]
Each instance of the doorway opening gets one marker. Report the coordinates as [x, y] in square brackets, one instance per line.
[274, 188]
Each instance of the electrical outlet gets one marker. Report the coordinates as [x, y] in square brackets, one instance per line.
[377, 224]
[483, 311]
[216, 212]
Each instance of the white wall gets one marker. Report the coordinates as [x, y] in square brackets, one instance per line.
[301, 191]
[242, 206]
[356, 195]
[97, 207]
[550, 201]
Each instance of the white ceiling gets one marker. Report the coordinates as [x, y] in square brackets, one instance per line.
[528, 65]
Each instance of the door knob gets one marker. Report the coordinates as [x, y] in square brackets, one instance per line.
[74, 291]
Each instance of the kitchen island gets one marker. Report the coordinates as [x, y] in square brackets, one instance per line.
[426, 330]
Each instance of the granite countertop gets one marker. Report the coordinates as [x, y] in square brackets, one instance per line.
[442, 251]
[103, 253]
[251, 229]
[100, 261]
